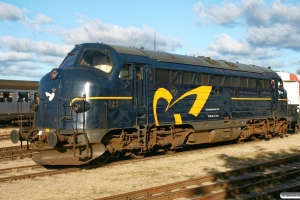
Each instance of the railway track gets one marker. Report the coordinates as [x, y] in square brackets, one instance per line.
[262, 181]
[18, 152]
[30, 171]
[4, 137]
[14, 152]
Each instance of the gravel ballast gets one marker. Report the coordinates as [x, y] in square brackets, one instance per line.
[106, 181]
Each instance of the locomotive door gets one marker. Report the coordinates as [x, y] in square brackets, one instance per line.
[274, 95]
[140, 93]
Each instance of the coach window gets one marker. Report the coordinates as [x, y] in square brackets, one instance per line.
[23, 96]
[6, 97]
[125, 71]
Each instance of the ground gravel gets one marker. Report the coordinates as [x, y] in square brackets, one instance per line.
[106, 181]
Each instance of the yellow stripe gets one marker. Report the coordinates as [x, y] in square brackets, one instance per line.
[252, 99]
[256, 99]
[178, 119]
[102, 98]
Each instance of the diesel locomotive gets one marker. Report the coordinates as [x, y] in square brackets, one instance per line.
[106, 101]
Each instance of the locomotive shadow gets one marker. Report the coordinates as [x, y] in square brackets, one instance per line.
[260, 155]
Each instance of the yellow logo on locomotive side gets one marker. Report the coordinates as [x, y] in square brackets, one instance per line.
[202, 94]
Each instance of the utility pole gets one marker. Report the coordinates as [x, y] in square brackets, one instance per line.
[154, 40]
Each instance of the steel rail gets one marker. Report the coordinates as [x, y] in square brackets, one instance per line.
[190, 188]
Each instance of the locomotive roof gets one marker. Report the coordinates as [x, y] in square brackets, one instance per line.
[191, 60]
[14, 84]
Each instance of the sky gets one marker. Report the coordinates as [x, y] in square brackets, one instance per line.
[35, 36]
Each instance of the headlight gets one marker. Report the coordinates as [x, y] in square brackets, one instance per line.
[81, 106]
[53, 74]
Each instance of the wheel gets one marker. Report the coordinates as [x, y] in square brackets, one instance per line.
[169, 151]
[101, 160]
[135, 154]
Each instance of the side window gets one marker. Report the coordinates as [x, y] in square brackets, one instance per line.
[227, 81]
[266, 84]
[6, 97]
[189, 77]
[260, 83]
[125, 71]
[199, 79]
[235, 81]
[23, 96]
[251, 83]
[176, 76]
[280, 84]
[150, 74]
[243, 82]
[206, 79]
[218, 80]
[162, 75]
[139, 72]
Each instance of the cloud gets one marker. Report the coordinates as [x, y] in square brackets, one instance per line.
[97, 31]
[224, 14]
[39, 48]
[10, 12]
[15, 56]
[41, 18]
[272, 30]
[225, 47]
[13, 13]
[279, 36]
[24, 70]
[225, 44]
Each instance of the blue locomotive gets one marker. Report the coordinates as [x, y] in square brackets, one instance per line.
[105, 101]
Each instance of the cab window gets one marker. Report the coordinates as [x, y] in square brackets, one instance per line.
[97, 59]
[69, 60]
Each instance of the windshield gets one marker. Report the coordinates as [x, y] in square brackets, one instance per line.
[97, 59]
[69, 60]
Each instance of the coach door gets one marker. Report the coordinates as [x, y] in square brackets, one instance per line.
[140, 93]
